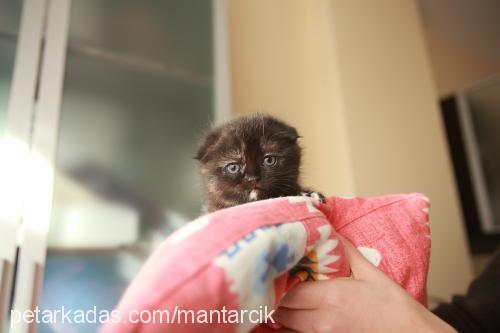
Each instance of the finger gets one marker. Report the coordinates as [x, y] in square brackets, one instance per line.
[306, 320]
[361, 268]
[293, 320]
[305, 295]
[312, 295]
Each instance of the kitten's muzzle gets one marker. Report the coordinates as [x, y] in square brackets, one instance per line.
[252, 178]
[256, 187]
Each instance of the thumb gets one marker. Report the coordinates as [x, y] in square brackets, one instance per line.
[361, 268]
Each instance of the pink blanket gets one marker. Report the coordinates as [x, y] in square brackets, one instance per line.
[226, 271]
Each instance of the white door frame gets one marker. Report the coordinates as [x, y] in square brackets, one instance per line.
[14, 147]
[40, 175]
[222, 65]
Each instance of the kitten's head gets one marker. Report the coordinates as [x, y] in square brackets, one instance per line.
[249, 158]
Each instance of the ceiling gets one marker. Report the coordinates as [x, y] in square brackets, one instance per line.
[474, 25]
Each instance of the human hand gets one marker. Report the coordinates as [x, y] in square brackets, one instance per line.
[368, 301]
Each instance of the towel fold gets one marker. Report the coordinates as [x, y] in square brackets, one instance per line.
[226, 271]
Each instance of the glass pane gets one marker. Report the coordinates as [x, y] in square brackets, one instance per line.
[138, 90]
[485, 113]
[10, 12]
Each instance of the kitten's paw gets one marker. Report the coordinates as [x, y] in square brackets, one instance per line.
[317, 197]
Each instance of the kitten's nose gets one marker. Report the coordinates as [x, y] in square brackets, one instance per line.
[252, 178]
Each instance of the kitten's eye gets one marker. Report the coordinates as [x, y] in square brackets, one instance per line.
[269, 160]
[232, 168]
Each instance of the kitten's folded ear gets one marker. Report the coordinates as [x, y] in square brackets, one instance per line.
[209, 140]
[291, 134]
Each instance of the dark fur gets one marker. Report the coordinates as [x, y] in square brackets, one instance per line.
[246, 141]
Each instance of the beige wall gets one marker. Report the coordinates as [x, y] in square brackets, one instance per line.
[394, 125]
[276, 68]
[355, 79]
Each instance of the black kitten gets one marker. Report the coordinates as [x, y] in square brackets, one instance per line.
[250, 158]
